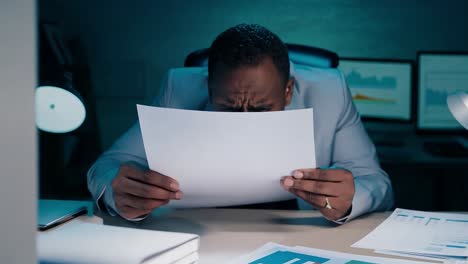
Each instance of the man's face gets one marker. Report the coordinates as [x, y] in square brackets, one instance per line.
[250, 89]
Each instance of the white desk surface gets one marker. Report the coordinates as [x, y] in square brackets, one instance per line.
[228, 233]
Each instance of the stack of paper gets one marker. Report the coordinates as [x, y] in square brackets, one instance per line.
[432, 236]
[79, 242]
[272, 253]
[223, 159]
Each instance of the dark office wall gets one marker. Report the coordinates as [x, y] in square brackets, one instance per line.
[130, 44]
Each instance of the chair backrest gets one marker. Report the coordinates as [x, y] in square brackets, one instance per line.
[298, 54]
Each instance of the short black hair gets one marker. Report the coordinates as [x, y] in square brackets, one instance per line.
[248, 45]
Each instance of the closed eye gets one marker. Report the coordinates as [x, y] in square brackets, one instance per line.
[260, 109]
[224, 108]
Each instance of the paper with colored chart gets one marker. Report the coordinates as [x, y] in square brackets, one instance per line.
[418, 233]
[223, 159]
[272, 253]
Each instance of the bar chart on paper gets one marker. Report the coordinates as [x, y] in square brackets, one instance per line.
[439, 235]
[287, 257]
[272, 253]
[449, 240]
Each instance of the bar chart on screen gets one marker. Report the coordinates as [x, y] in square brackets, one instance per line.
[440, 75]
[379, 89]
[439, 85]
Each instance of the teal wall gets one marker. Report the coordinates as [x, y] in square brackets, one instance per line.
[130, 44]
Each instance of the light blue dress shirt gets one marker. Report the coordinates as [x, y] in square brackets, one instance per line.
[340, 138]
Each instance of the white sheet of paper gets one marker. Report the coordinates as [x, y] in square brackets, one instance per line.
[420, 232]
[81, 243]
[419, 256]
[223, 159]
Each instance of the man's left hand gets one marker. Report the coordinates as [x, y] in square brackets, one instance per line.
[329, 190]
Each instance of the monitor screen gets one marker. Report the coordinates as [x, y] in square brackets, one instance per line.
[439, 76]
[380, 89]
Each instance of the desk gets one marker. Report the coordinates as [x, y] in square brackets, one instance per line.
[228, 233]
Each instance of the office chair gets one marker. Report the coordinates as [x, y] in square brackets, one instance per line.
[298, 54]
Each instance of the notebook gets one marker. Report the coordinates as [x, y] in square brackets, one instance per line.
[54, 212]
[80, 242]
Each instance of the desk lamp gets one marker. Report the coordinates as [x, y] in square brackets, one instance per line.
[458, 105]
[59, 108]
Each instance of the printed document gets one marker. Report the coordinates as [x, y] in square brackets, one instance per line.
[223, 158]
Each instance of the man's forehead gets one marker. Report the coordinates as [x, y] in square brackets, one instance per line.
[265, 70]
[250, 92]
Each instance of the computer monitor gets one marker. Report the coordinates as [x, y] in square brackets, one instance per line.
[439, 76]
[380, 88]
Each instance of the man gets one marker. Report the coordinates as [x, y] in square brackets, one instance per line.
[249, 70]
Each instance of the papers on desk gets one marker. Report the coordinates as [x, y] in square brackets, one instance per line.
[432, 236]
[272, 253]
[223, 159]
[79, 242]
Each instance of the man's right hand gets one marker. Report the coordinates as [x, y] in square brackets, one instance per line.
[138, 192]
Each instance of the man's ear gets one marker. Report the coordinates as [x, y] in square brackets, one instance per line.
[288, 92]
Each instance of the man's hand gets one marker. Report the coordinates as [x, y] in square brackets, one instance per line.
[137, 192]
[315, 186]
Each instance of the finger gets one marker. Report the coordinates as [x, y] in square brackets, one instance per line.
[151, 177]
[318, 201]
[142, 203]
[285, 185]
[158, 179]
[338, 210]
[318, 187]
[334, 175]
[147, 191]
[131, 213]
[286, 182]
[125, 210]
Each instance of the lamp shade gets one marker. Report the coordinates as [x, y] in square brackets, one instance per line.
[458, 105]
[58, 110]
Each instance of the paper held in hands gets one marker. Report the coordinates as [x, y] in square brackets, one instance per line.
[223, 159]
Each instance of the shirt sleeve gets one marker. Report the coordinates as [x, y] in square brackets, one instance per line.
[128, 148]
[354, 151]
